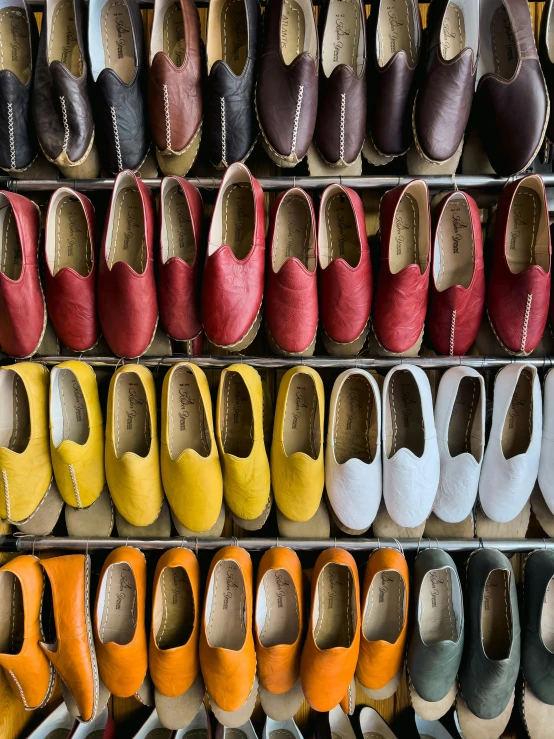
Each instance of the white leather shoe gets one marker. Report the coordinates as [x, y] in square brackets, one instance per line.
[58, 723]
[353, 468]
[373, 724]
[546, 466]
[511, 462]
[411, 463]
[278, 729]
[460, 422]
[91, 730]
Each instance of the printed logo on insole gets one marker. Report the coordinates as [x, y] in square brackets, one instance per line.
[241, 214]
[407, 400]
[354, 405]
[122, 27]
[284, 27]
[281, 582]
[343, 224]
[239, 399]
[125, 587]
[18, 33]
[518, 222]
[514, 409]
[231, 584]
[489, 594]
[177, 586]
[300, 403]
[78, 400]
[293, 234]
[401, 226]
[394, 24]
[185, 399]
[17, 254]
[334, 585]
[458, 226]
[132, 223]
[73, 220]
[69, 41]
[448, 37]
[386, 579]
[180, 47]
[134, 400]
[436, 579]
[183, 224]
[341, 29]
[509, 45]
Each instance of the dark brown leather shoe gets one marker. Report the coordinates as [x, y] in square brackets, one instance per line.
[443, 103]
[289, 65]
[394, 42]
[512, 107]
[546, 55]
[341, 117]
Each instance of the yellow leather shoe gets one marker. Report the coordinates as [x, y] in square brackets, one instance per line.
[25, 467]
[76, 433]
[297, 467]
[132, 452]
[240, 437]
[191, 471]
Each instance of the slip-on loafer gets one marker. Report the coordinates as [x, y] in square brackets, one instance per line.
[537, 648]
[546, 464]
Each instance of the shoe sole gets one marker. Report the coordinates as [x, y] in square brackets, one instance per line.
[388, 690]
[538, 717]
[433, 711]
[214, 531]
[497, 337]
[177, 711]
[346, 350]
[86, 168]
[413, 351]
[234, 719]
[247, 339]
[42, 520]
[471, 727]
[179, 163]
[284, 706]
[254, 524]
[276, 349]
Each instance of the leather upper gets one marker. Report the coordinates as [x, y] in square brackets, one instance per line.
[537, 661]
[546, 466]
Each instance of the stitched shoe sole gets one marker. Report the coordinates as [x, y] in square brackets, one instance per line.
[45, 516]
[276, 349]
[497, 337]
[284, 706]
[178, 711]
[215, 530]
[413, 351]
[433, 711]
[255, 523]
[87, 168]
[345, 350]
[472, 727]
[387, 691]
[247, 339]
[179, 163]
[234, 719]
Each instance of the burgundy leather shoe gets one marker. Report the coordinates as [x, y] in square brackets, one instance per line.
[345, 277]
[70, 274]
[127, 302]
[181, 215]
[233, 284]
[403, 280]
[518, 293]
[457, 293]
[22, 307]
[291, 311]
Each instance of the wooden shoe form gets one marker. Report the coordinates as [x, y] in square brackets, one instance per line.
[384, 526]
[96, 520]
[472, 727]
[437, 529]
[515, 529]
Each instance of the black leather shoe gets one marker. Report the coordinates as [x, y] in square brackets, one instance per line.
[231, 50]
[19, 41]
[117, 65]
[537, 659]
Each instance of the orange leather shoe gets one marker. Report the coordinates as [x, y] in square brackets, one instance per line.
[385, 599]
[119, 628]
[333, 639]
[27, 668]
[72, 649]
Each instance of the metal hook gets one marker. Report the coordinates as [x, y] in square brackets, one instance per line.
[34, 541]
[196, 546]
[400, 547]
[182, 543]
[86, 547]
[418, 545]
[378, 543]
[454, 182]
[481, 545]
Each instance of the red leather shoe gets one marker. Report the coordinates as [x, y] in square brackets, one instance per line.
[291, 311]
[70, 274]
[233, 283]
[181, 215]
[403, 280]
[519, 286]
[127, 302]
[345, 276]
[457, 292]
[22, 308]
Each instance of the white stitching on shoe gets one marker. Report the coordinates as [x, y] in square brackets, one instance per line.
[116, 137]
[75, 486]
[297, 118]
[452, 330]
[167, 119]
[11, 135]
[16, 681]
[223, 133]
[6, 494]
[342, 116]
[526, 322]
[65, 125]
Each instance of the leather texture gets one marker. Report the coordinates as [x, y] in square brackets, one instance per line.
[192, 481]
[546, 465]
[27, 474]
[537, 661]
[27, 669]
[122, 666]
[22, 306]
[70, 296]
[78, 467]
[547, 62]
[326, 674]
[486, 684]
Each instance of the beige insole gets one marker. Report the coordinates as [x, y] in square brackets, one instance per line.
[334, 627]
[12, 621]
[341, 35]
[293, 233]
[238, 219]
[437, 618]
[236, 734]
[187, 425]
[496, 616]
[516, 434]
[96, 734]
[406, 414]
[342, 234]
[59, 734]
[226, 625]
[132, 417]
[547, 617]
[72, 243]
[238, 421]
[354, 421]
[462, 419]
[178, 227]
[453, 32]
[455, 240]
[175, 623]
[63, 46]
[11, 257]
[15, 45]
[396, 31]
[74, 409]
[127, 243]
[301, 424]
[117, 39]
[521, 234]
[174, 44]
[118, 619]
[404, 249]
[281, 623]
[503, 44]
[16, 437]
[293, 30]
[159, 734]
[234, 35]
[384, 613]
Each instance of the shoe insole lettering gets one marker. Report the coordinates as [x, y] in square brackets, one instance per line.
[226, 622]
[174, 44]
[516, 434]
[63, 45]
[453, 35]
[118, 619]
[117, 34]
[12, 617]
[234, 35]
[175, 622]
[187, 417]
[407, 417]
[178, 227]
[341, 35]
[496, 621]
[396, 31]
[16, 422]
[301, 424]
[132, 417]
[334, 627]
[355, 429]
[15, 46]
[281, 622]
[342, 234]
[293, 29]
[11, 257]
[404, 246]
[384, 612]
[462, 436]
[523, 227]
[238, 419]
[238, 219]
[503, 44]
[72, 241]
[74, 409]
[547, 616]
[127, 243]
[455, 244]
[293, 233]
[437, 619]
